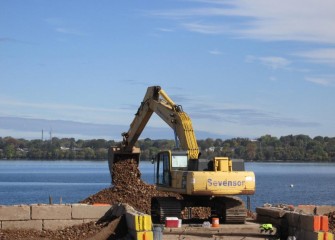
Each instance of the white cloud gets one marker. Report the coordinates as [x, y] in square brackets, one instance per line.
[274, 62]
[205, 28]
[13, 107]
[323, 81]
[190, 12]
[323, 55]
[59, 26]
[299, 20]
[250, 117]
[215, 52]
[270, 61]
[165, 29]
[69, 31]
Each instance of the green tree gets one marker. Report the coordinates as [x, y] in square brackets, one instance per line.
[9, 151]
[88, 153]
[251, 150]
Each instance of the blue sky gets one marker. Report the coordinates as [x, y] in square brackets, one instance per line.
[239, 68]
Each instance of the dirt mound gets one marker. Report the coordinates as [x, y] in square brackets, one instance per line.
[76, 232]
[331, 219]
[128, 188]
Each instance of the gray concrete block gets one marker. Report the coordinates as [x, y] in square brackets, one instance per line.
[59, 224]
[271, 212]
[29, 224]
[15, 212]
[293, 219]
[262, 219]
[81, 211]
[57, 212]
[306, 222]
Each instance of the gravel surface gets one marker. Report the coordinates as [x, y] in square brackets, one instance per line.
[77, 232]
[331, 218]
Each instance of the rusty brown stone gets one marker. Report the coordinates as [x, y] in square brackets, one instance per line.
[331, 220]
[128, 187]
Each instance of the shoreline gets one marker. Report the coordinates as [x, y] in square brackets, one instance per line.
[105, 160]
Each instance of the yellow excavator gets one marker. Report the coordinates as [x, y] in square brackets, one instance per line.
[211, 183]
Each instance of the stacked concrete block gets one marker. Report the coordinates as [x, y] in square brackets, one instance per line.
[16, 212]
[89, 212]
[51, 217]
[139, 224]
[308, 226]
[300, 222]
[274, 216]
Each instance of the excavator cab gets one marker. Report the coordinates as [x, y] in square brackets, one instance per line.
[167, 161]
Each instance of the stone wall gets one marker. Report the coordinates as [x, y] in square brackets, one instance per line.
[51, 217]
[305, 222]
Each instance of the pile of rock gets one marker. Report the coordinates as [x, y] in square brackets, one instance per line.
[76, 232]
[331, 218]
[128, 188]
[196, 212]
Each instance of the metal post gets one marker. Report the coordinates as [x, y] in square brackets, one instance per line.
[248, 203]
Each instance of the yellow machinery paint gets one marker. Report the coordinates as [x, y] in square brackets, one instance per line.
[212, 184]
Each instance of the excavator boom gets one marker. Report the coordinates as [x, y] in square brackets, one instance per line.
[156, 101]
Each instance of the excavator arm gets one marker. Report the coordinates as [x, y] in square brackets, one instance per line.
[179, 121]
[142, 117]
[156, 101]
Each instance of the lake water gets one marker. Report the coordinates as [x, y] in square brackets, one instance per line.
[27, 182]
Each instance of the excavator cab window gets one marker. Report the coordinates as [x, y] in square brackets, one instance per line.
[163, 169]
[179, 162]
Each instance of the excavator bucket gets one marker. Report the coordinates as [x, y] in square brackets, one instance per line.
[116, 154]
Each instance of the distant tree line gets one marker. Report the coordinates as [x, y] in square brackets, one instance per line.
[54, 149]
[265, 148]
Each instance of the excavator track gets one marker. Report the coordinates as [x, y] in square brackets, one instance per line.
[234, 210]
[162, 207]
